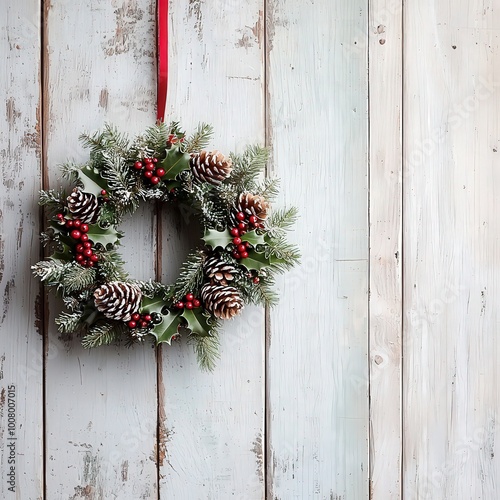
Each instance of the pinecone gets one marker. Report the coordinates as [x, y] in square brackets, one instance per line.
[251, 204]
[211, 167]
[83, 206]
[222, 301]
[218, 271]
[118, 300]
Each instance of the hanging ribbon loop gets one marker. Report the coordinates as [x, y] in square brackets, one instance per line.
[162, 55]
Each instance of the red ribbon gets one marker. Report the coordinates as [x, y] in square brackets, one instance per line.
[162, 54]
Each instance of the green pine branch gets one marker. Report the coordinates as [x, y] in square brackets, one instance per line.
[206, 349]
[54, 200]
[111, 266]
[76, 277]
[102, 334]
[281, 220]
[68, 323]
[190, 277]
[261, 293]
[247, 167]
[107, 140]
[199, 139]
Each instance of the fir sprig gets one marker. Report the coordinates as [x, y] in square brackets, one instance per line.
[200, 138]
[190, 276]
[206, 349]
[104, 333]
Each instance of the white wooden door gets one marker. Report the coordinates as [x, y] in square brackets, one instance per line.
[375, 376]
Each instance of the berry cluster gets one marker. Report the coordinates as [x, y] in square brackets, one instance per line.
[149, 170]
[190, 302]
[140, 321]
[77, 230]
[240, 247]
[172, 139]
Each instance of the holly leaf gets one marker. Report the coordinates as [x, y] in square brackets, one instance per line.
[254, 238]
[174, 163]
[92, 180]
[108, 237]
[197, 322]
[151, 305]
[63, 253]
[258, 260]
[168, 327]
[214, 238]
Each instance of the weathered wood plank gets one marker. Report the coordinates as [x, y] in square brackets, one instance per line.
[451, 249]
[21, 316]
[212, 425]
[101, 405]
[318, 352]
[385, 75]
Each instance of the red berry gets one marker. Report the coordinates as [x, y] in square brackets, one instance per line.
[136, 317]
[155, 180]
[242, 225]
[148, 160]
[242, 248]
[247, 244]
[90, 263]
[179, 305]
[60, 216]
[256, 280]
[75, 234]
[79, 248]
[150, 166]
[236, 255]
[138, 165]
[94, 258]
[252, 219]
[237, 241]
[235, 231]
[155, 160]
[77, 223]
[148, 174]
[88, 252]
[79, 257]
[87, 244]
[84, 228]
[84, 237]
[147, 317]
[132, 324]
[196, 303]
[240, 216]
[242, 233]
[104, 192]
[144, 324]
[160, 172]
[189, 305]
[69, 223]
[244, 255]
[189, 297]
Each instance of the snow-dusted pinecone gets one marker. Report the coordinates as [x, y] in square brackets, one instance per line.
[118, 300]
[83, 206]
[222, 301]
[218, 271]
[251, 204]
[211, 167]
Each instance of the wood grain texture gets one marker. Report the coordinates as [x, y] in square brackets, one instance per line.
[451, 248]
[385, 75]
[212, 424]
[101, 406]
[318, 352]
[21, 318]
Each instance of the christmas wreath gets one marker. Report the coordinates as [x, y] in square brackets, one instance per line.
[243, 242]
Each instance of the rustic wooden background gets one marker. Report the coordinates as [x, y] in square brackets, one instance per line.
[383, 121]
